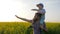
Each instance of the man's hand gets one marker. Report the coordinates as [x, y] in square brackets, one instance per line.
[16, 16]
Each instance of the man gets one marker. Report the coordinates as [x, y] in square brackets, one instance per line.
[36, 25]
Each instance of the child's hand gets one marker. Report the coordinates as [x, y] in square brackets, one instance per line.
[34, 9]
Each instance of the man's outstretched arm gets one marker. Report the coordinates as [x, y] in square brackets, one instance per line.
[23, 19]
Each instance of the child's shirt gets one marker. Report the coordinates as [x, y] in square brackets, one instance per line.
[43, 15]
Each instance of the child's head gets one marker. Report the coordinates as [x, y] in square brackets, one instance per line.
[40, 6]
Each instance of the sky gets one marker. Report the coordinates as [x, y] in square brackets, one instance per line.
[22, 8]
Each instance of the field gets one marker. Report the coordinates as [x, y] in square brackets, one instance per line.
[23, 28]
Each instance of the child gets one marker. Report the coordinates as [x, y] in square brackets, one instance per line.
[40, 15]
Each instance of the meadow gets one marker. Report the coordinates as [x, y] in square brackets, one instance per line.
[24, 28]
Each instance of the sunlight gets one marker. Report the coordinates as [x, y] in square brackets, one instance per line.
[9, 8]
[22, 8]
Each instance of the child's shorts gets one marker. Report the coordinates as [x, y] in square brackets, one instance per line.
[42, 21]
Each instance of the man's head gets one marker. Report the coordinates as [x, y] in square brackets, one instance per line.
[40, 6]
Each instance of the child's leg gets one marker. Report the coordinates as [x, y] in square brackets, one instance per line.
[41, 26]
[35, 18]
[44, 26]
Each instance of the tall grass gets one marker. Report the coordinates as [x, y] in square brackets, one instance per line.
[24, 28]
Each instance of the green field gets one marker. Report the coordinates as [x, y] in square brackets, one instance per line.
[23, 28]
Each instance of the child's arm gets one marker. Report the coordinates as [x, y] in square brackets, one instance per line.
[42, 12]
[35, 10]
[23, 19]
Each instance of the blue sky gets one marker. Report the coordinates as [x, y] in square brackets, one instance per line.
[8, 9]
